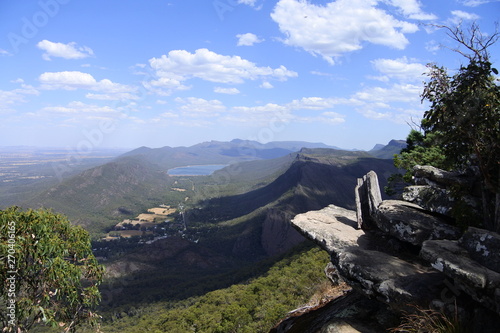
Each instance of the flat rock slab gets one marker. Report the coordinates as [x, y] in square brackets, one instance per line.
[333, 228]
[375, 273]
[410, 223]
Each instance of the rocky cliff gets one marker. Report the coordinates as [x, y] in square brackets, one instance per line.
[400, 257]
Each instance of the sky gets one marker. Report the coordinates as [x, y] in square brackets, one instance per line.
[87, 74]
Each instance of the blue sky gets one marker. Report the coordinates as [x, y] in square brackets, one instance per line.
[89, 74]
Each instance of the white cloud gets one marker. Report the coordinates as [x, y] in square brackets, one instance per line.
[228, 91]
[165, 86]
[432, 46]
[4, 53]
[120, 96]
[408, 93]
[66, 51]
[266, 85]
[397, 103]
[412, 9]
[199, 107]
[315, 103]
[459, 16]
[332, 118]
[338, 27]
[76, 112]
[475, 3]
[9, 98]
[68, 80]
[400, 69]
[180, 65]
[248, 39]
[72, 80]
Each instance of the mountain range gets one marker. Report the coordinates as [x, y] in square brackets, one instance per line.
[100, 196]
[236, 217]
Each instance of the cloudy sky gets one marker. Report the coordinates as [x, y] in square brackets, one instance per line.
[128, 73]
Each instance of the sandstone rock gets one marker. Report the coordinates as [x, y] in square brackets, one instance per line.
[429, 175]
[431, 198]
[347, 314]
[359, 260]
[483, 246]
[368, 197]
[333, 228]
[476, 280]
[410, 223]
[390, 279]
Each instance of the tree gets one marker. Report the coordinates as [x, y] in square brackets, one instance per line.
[49, 274]
[463, 121]
[465, 116]
[421, 149]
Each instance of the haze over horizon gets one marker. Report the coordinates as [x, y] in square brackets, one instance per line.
[347, 73]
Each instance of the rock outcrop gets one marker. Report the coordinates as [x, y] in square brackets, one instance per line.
[473, 262]
[397, 253]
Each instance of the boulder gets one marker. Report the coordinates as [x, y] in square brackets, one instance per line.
[411, 223]
[429, 175]
[368, 198]
[388, 278]
[483, 246]
[476, 280]
[431, 198]
[350, 313]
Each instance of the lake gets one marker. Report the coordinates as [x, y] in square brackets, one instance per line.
[195, 170]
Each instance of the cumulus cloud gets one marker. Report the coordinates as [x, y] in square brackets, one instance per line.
[408, 93]
[182, 65]
[199, 107]
[401, 69]
[178, 66]
[248, 39]
[339, 27]
[266, 85]
[66, 51]
[412, 9]
[73, 80]
[228, 91]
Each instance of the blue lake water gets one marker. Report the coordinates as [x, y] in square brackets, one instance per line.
[195, 170]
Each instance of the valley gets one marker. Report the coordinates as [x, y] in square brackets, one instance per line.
[166, 241]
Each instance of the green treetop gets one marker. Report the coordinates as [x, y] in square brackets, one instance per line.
[49, 275]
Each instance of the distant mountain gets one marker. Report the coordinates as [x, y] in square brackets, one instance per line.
[388, 151]
[219, 152]
[104, 195]
[101, 196]
[378, 146]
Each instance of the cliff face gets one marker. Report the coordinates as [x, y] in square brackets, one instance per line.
[403, 255]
